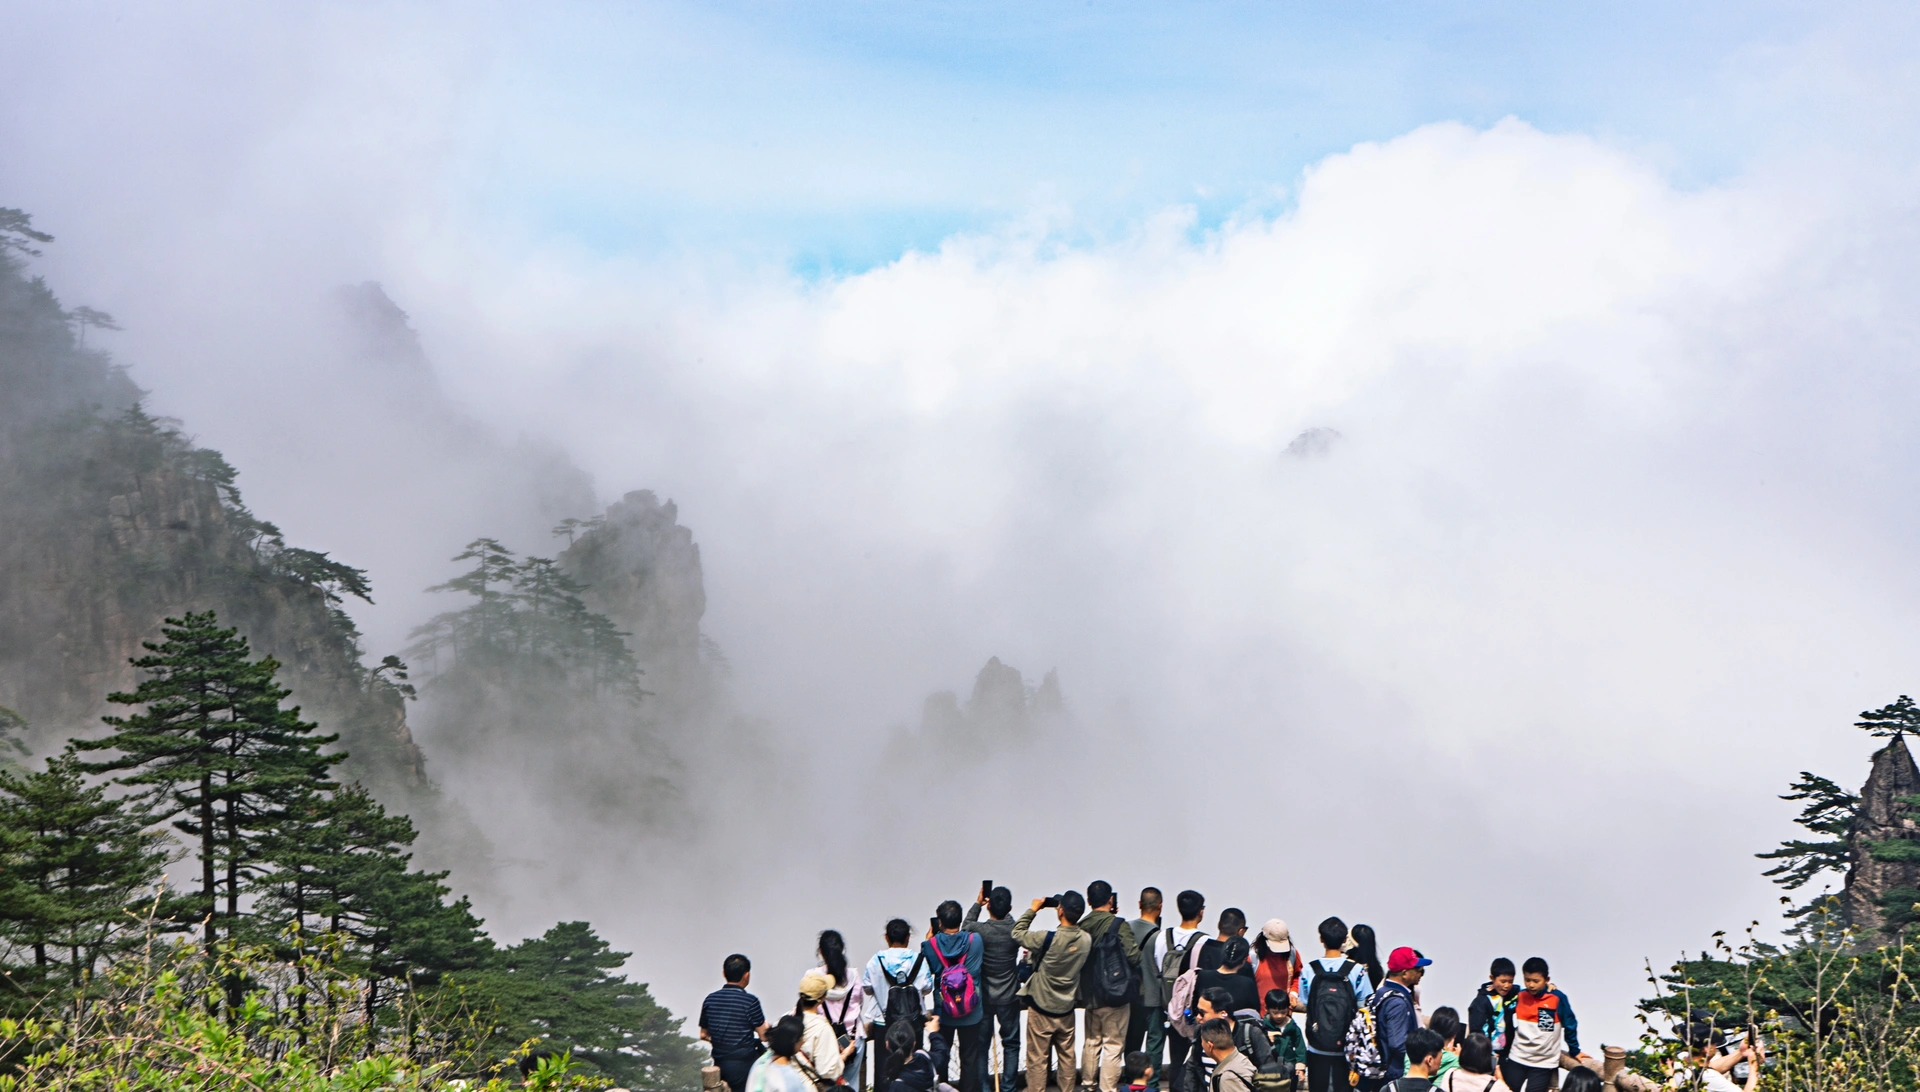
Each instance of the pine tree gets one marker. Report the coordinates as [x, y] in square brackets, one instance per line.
[1891, 721]
[75, 862]
[216, 753]
[1829, 814]
[340, 866]
[564, 988]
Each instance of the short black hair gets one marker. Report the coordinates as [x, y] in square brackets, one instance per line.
[1536, 965]
[949, 914]
[1215, 1033]
[898, 931]
[1099, 893]
[1333, 933]
[1423, 1043]
[1278, 1002]
[1151, 898]
[999, 902]
[735, 967]
[1191, 904]
[1476, 1055]
[1072, 906]
[1220, 998]
[1233, 919]
[1134, 1066]
[1501, 966]
[1445, 1023]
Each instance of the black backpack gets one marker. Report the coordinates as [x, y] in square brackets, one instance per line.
[903, 997]
[1109, 978]
[1331, 1005]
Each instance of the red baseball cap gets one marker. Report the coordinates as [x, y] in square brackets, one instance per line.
[1406, 959]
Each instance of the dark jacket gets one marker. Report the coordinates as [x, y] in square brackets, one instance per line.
[1000, 975]
[916, 1076]
[960, 949]
[1097, 923]
[1289, 1043]
[1245, 991]
[1397, 1020]
[1249, 1038]
[1489, 1014]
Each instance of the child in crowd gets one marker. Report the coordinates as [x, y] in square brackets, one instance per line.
[1136, 1071]
[1289, 1043]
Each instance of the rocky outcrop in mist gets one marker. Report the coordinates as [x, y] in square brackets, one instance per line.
[1002, 713]
[114, 520]
[641, 568]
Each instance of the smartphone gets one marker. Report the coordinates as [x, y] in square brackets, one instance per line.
[986, 890]
[934, 924]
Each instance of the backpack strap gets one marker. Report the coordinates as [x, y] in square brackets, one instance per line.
[1048, 943]
[940, 955]
[846, 1000]
[913, 972]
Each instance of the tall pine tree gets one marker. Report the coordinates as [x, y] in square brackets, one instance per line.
[216, 754]
[75, 864]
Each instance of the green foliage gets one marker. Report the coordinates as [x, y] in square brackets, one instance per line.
[1897, 849]
[214, 752]
[72, 863]
[526, 619]
[1891, 721]
[1830, 814]
[154, 1029]
[1839, 1017]
[562, 989]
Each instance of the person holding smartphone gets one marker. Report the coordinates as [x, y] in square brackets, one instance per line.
[1703, 1069]
[1000, 980]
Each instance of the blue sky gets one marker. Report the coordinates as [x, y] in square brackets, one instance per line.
[839, 135]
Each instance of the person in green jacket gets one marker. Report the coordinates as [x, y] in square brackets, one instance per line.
[1289, 1045]
[1054, 987]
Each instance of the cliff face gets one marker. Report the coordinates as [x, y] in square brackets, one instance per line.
[114, 521]
[641, 569]
[1883, 820]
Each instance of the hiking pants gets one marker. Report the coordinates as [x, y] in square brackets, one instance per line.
[1007, 1018]
[1106, 1046]
[1327, 1073]
[940, 1047]
[1147, 1030]
[1527, 1078]
[1048, 1037]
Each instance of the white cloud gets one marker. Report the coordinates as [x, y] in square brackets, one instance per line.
[1614, 541]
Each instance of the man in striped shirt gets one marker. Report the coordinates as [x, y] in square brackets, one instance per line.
[731, 1020]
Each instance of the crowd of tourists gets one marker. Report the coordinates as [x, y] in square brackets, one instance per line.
[1156, 1006]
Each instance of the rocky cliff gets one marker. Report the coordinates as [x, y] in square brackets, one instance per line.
[641, 568]
[114, 520]
[1883, 881]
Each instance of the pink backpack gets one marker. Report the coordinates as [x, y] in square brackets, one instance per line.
[955, 991]
[1182, 1000]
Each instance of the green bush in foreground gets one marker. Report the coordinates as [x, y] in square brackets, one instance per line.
[163, 1022]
